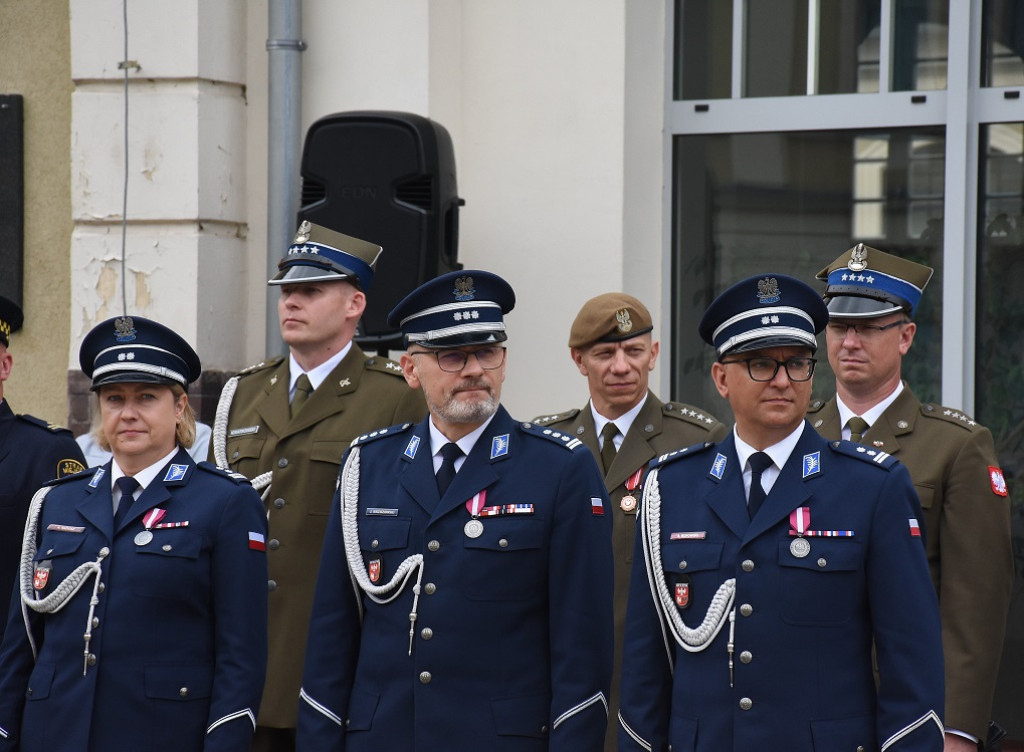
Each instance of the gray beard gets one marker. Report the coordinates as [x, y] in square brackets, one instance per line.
[453, 411]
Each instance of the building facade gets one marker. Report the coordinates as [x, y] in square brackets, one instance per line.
[661, 147]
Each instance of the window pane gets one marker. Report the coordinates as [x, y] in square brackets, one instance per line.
[1003, 43]
[999, 368]
[776, 48]
[848, 46]
[919, 52]
[791, 202]
[703, 49]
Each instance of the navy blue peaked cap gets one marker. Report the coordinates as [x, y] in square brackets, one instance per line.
[131, 349]
[456, 309]
[769, 310]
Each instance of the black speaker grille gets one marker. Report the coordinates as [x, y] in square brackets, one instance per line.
[313, 191]
[418, 192]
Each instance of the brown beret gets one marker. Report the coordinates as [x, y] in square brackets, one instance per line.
[611, 317]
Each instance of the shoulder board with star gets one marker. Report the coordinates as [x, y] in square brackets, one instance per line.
[546, 420]
[566, 440]
[222, 472]
[380, 433]
[689, 451]
[384, 365]
[689, 413]
[262, 365]
[864, 453]
[51, 427]
[948, 414]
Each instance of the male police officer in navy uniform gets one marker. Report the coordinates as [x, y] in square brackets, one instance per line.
[871, 297]
[752, 614]
[625, 425]
[464, 599]
[31, 453]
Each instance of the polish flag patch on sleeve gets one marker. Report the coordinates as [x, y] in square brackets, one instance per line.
[596, 506]
[257, 542]
[915, 529]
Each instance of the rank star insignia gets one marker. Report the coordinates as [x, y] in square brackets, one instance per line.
[393, 367]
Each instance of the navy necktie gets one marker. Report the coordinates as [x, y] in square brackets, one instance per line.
[127, 485]
[446, 473]
[759, 462]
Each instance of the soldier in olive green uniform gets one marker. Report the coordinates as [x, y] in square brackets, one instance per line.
[287, 422]
[611, 344]
[871, 298]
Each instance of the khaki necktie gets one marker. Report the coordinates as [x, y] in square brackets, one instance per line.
[302, 390]
[857, 428]
[608, 434]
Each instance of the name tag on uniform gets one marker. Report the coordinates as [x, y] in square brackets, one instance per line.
[245, 431]
[66, 528]
[381, 512]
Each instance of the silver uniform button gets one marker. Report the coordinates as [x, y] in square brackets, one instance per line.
[95, 622]
[271, 585]
[166, 547]
[283, 462]
[430, 588]
[183, 691]
[278, 503]
[433, 545]
[102, 586]
[746, 609]
[425, 677]
[746, 703]
[92, 659]
[747, 565]
[822, 562]
[746, 656]
[427, 633]
[682, 565]
[273, 544]
[503, 543]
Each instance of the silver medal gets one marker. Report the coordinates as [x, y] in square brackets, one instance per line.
[474, 528]
[143, 538]
[800, 547]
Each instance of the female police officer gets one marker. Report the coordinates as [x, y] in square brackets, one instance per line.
[140, 618]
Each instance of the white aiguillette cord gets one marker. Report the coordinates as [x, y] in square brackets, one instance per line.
[721, 608]
[349, 503]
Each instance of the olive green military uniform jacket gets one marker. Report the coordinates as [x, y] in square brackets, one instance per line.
[362, 393]
[967, 528]
[659, 428]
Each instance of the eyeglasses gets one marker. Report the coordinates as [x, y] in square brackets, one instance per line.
[764, 369]
[453, 361]
[839, 329]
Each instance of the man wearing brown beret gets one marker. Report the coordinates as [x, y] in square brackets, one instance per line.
[625, 425]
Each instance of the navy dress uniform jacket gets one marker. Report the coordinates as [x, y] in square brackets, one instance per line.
[177, 653]
[31, 453]
[513, 632]
[802, 669]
